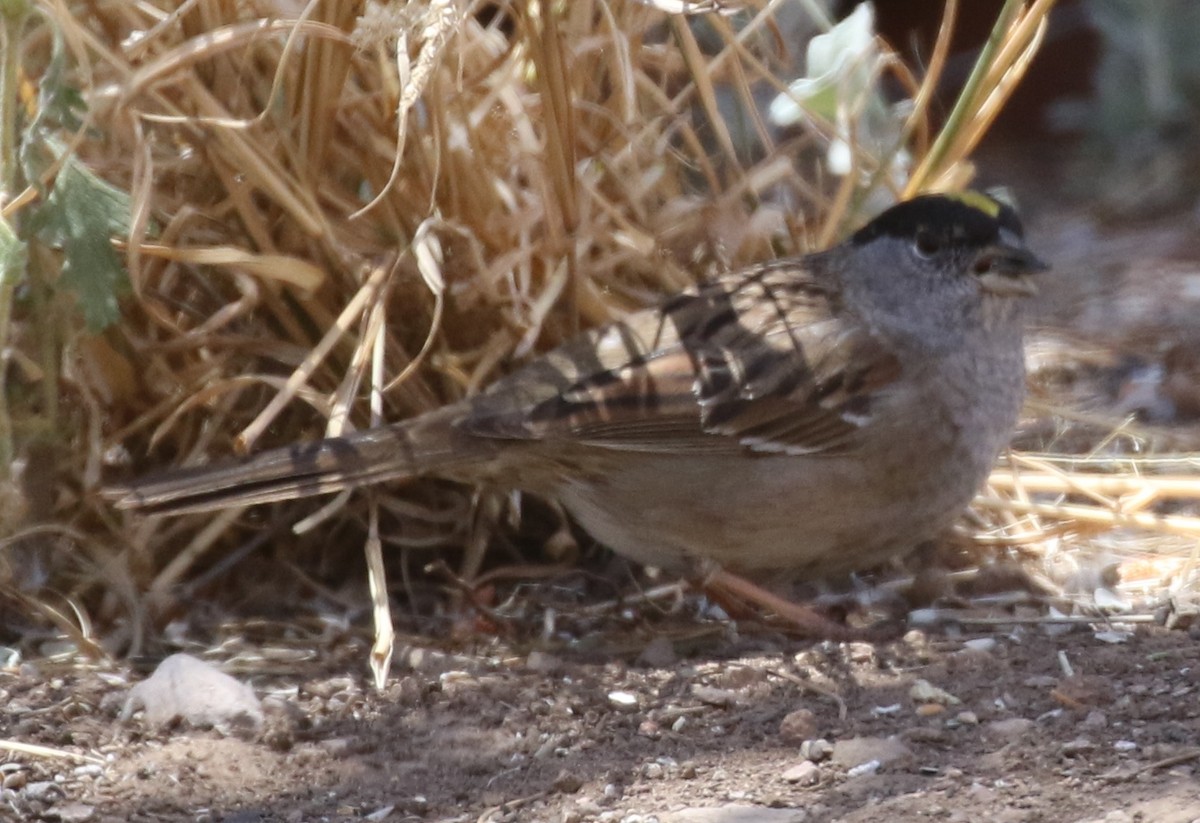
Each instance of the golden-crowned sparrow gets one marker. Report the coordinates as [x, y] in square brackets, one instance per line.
[815, 414]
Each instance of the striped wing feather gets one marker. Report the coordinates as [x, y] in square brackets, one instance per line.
[759, 360]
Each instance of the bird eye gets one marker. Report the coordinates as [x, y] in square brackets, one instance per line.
[926, 244]
[983, 265]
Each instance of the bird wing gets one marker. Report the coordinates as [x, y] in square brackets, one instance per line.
[764, 360]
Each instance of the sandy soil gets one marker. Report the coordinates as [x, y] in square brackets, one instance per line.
[715, 737]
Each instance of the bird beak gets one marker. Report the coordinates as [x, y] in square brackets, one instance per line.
[1004, 268]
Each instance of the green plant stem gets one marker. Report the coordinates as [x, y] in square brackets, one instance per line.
[966, 104]
[7, 283]
[50, 335]
[13, 14]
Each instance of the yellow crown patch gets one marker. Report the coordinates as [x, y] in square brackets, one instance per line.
[977, 200]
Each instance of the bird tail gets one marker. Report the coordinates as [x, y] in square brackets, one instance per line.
[430, 442]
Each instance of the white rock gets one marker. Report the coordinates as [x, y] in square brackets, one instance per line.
[625, 701]
[805, 773]
[186, 688]
[870, 767]
[922, 691]
[816, 750]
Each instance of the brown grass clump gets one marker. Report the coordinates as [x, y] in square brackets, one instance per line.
[346, 212]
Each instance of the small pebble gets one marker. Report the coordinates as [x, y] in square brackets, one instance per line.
[924, 618]
[870, 767]
[861, 652]
[805, 773]
[722, 698]
[1076, 747]
[44, 790]
[798, 726]
[1040, 681]
[922, 691]
[567, 782]
[624, 701]
[816, 750]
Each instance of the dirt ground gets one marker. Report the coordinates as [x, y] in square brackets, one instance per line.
[717, 737]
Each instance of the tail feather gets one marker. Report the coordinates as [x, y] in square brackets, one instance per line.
[425, 444]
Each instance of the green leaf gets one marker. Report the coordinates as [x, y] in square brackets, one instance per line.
[80, 215]
[12, 256]
[60, 105]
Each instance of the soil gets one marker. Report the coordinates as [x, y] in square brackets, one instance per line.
[714, 737]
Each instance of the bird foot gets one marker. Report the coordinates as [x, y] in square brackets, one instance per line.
[726, 587]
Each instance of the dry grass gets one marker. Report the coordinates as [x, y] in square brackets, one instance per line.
[345, 213]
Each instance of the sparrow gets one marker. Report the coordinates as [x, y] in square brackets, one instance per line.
[811, 415]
